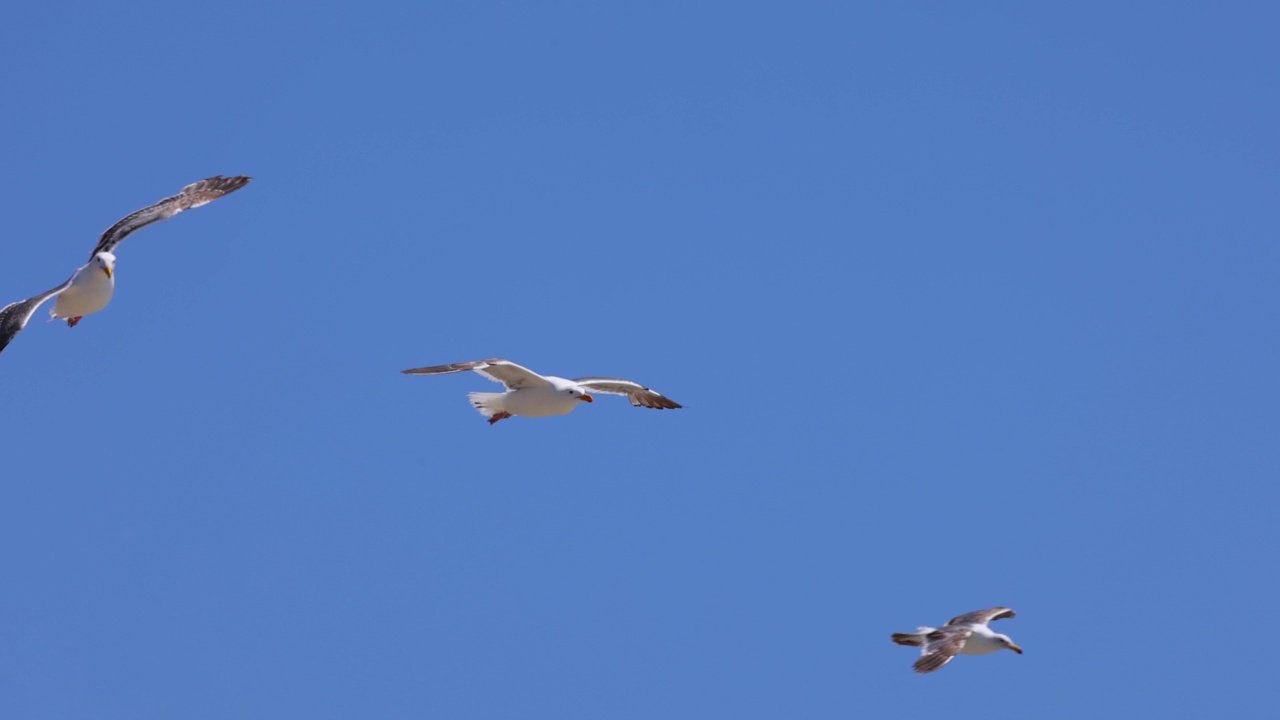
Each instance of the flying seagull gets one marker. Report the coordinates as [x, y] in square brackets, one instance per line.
[91, 287]
[967, 634]
[533, 395]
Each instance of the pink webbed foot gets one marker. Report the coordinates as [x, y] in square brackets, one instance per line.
[71, 322]
[499, 416]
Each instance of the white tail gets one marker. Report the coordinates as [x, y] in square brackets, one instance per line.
[487, 403]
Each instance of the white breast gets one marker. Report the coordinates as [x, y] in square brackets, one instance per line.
[982, 642]
[90, 291]
[539, 402]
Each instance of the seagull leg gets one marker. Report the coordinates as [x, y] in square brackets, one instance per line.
[499, 416]
[71, 322]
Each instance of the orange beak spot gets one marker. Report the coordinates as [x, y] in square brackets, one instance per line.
[587, 398]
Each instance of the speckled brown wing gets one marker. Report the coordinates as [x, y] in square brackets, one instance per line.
[14, 316]
[982, 617]
[191, 196]
[940, 646]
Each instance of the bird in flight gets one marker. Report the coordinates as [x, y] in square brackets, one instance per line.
[91, 287]
[533, 395]
[966, 634]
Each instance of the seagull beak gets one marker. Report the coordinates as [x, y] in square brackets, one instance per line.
[1015, 648]
[587, 398]
[107, 270]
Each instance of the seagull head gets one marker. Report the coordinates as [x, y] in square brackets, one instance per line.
[107, 262]
[1008, 642]
[572, 389]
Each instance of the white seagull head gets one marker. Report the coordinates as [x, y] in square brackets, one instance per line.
[1008, 642]
[106, 261]
[570, 388]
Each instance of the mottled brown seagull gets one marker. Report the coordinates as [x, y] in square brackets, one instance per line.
[966, 634]
[533, 395]
[91, 287]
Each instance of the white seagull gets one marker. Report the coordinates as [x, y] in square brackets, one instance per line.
[533, 395]
[91, 287]
[967, 634]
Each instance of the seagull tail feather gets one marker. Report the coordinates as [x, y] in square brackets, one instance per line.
[488, 404]
[911, 639]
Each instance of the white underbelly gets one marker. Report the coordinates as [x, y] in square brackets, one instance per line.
[90, 291]
[980, 645]
[537, 403]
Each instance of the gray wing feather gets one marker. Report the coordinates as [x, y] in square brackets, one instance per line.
[941, 645]
[191, 196]
[513, 376]
[982, 617]
[14, 316]
[639, 395]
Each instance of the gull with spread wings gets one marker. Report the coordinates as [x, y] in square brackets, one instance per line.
[91, 287]
[966, 634]
[533, 395]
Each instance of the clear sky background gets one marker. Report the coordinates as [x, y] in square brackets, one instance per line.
[968, 306]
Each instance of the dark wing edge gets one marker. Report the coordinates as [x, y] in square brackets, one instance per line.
[15, 315]
[908, 639]
[191, 196]
[450, 368]
[639, 395]
[941, 648]
[509, 374]
[982, 617]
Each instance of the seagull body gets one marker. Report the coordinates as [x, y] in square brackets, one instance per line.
[966, 634]
[91, 287]
[532, 395]
[88, 291]
[558, 397]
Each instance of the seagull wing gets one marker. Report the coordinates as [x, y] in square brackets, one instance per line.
[639, 395]
[981, 617]
[940, 646]
[513, 376]
[191, 196]
[14, 316]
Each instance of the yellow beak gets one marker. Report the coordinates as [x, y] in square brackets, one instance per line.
[587, 398]
[107, 270]
[1015, 648]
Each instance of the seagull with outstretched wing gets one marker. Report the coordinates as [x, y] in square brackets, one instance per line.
[91, 287]
[966, 634]
[533, 395]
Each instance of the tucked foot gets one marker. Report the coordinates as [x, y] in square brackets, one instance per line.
[499, 416]
[71, 322]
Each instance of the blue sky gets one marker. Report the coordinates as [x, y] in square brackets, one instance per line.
[968, 306]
